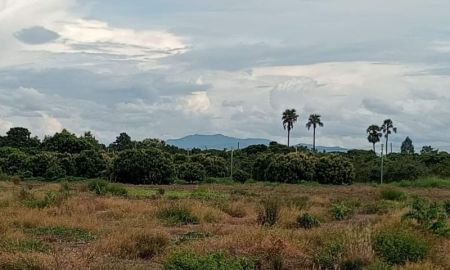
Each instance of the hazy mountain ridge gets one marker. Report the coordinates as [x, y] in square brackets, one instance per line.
[219, 141]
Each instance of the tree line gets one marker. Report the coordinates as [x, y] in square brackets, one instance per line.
[65, 155]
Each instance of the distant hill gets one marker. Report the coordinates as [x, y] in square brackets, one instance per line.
[219, 141]
[324, 148]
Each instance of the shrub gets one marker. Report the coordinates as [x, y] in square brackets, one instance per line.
[191, 172]
[291, 168]
[269, 213]
[215, 261]
[46, 165]
[307, 221]
[240, 176]
[392, 194]
[145, 245]
[340, 211]
[334, 169]
[399, 247]
[177, 214]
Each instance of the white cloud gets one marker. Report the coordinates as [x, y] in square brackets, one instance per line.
[197, 102]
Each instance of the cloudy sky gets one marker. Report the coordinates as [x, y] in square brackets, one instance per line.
[169, 68]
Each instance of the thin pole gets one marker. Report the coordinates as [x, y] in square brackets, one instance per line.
[382, 161]
[231, 166]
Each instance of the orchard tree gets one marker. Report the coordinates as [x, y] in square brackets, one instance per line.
[407, 146]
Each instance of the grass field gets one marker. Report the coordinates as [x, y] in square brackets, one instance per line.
[258, 225]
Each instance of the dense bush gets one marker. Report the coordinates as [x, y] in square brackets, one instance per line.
[215, 261]
[399, 247]
[402, 167]
[102, 187]
[16, 162]
[240, 176]
[334, 169]
[191, 172]
[90, 164]
[46, 165]
[291, 168]
[143, 166]
[260, 166]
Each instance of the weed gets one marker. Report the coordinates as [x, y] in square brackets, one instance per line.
[392, 194]
[177, 214]
[215, 261]
[270, 211]
[61, 233]
[307, 221]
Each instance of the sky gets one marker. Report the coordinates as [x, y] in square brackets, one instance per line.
[170, 68]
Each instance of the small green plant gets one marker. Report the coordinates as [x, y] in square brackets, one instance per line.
[177, 214]
[447, 207]
[329, 255]
[103, 187]
[214, 261]
[340, 211]
[270, 211]
[307, 221]
[431, 216]
[392, 194]
[192, 235]
[399, 246]
[99, 187]
[161, 191]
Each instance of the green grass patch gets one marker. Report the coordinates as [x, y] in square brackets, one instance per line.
[23, 245]
[177, 215]
[206, 194]
[426, 183]
[392, 194]
[214, 261]
[66, 234]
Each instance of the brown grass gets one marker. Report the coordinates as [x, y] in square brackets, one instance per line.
[127, 233]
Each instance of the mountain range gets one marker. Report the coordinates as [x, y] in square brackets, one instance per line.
[219, 141]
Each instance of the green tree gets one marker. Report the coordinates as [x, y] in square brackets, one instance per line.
[388, 128]
[288, 118]
[407, 146]
[20, 137]
[314, 121]
[374, 135]
[65, 142]
[123, 141]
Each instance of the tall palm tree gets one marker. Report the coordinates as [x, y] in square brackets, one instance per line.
[374, 135]
[314, 121]
[289, 117]
[388, 128]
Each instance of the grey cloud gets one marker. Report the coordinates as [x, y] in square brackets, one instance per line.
[36, 35]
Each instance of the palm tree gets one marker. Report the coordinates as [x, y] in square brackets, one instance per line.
[289, 118]
[314, 121]
[388, 128]
[374, 135]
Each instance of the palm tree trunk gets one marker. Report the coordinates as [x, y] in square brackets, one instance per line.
[387, 140]
[374, 147]
[314, 139]
[289, 133]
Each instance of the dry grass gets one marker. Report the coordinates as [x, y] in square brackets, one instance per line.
[132, 233]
